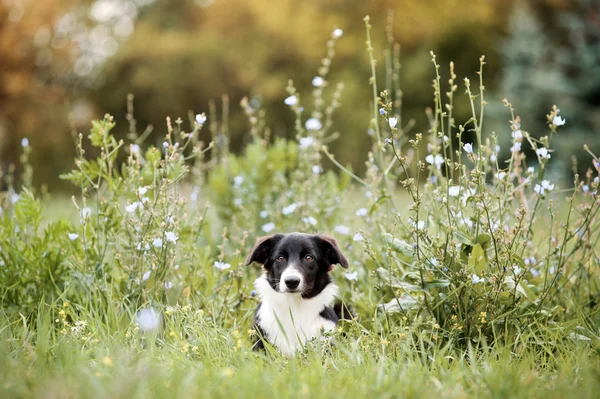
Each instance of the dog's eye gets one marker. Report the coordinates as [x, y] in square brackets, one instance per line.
[280, 258]
[309, 258]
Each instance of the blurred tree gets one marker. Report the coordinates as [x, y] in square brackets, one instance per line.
[557, 62]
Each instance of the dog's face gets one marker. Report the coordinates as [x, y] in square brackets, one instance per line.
[297, 263]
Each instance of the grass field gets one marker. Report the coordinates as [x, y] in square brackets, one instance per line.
[470, 276]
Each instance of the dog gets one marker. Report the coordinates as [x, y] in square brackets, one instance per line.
[296, 289]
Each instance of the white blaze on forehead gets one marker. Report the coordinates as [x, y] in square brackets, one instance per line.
[291, 270]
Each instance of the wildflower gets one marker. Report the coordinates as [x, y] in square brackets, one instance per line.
[419, 225]
[362, 212]
[268, 227]
[351, 276]
[393, 122]
[317, 169]
[73, 236]
[14, 198]
[200, 118]
[438, 160]
[170, 236]
[493, 158]
[517, 270]
[543, 153]
[221, 265]
[337, 33]
[145, 200]
[530, 170]
[263, 214]
[289, 209]
[382, 111]
[134, 148]
[453, 191]
[237, 181]
[517, 135]
[107, 361]
[170, 219]
[142, 190]
[25, 142]
[541, 189]
[387, 142]
[157, 243]
[341, 229]
[596, 179]
[313, 124]
[475, 279]
[483, 315]
[358, 237]
[310, 220]
[500, 175]
[585, 188]
[535, 272]
[238, 202]
[369, 194]
[168, 285]
[468, 147]
[318, 81]
[291, 101]
[558, 121]
[516, 147]
[306, 142]
[194, 194]
[146, 275]
[148, 319]
[133, 206]
[166, 145]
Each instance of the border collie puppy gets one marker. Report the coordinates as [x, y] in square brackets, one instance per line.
[295, 288]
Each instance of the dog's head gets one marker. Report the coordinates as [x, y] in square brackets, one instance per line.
[297, 263]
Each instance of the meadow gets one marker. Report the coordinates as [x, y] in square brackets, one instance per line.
[472, 273]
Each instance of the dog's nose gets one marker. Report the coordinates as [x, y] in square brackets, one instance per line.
[292, 282]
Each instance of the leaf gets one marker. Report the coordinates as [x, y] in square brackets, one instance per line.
[484, 240]
[477, 260]
[405, 302]
[438, 283]
[394, 282]
[398, 245]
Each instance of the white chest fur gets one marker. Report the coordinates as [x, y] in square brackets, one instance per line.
[288, 321]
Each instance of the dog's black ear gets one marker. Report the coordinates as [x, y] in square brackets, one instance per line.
[332, 252]
[262, 249]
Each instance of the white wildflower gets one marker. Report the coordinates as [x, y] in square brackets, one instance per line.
[341, 229]
[148, 319]
[453, 191]
[134, 148]
[351, 276]
[310, 220]
[168, 285]
[238, 202]
[317, 169]
[194, 194]
[475, 279]
[142, 190]
[289, 209]
[393, 122]
[517, 270]
[337, 33]
[200, 118]
[313, 124]
[543, 153]
[133, 206]
[221, 265]
[362, 212]
[263, 214]
[517, 135]
[268, 227]
[585, 188]
[157, 243]
[558, 121]
[530, 170]
[165, 145]
[146, 275]
[358, 237]
[547, 186]
[291, 100]
[14, 198]
[237, 181]
[318, 81]
[468, 147]
[170, 236]
[500, 175]
[73, 236]
[145, 200]
[25, 142]
[438, 160]
[306, 142]
[516, 147]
